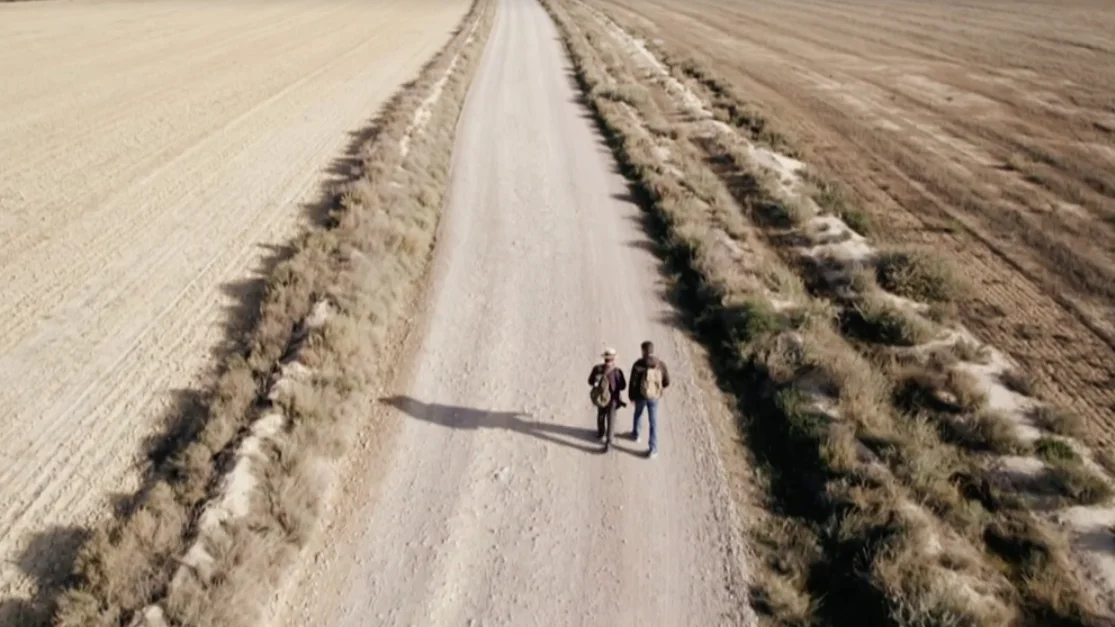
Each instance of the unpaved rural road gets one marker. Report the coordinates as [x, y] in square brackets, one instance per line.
[498, 507]
[150, 153]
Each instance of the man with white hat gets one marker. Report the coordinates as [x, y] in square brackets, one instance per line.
[607, 383]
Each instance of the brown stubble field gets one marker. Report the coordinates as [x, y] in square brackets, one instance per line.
[983, 130]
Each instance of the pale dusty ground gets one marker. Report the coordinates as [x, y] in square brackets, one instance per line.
[497, 506]
[152, 154]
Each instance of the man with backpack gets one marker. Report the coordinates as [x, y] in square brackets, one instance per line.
[607, 383]
[649, 377]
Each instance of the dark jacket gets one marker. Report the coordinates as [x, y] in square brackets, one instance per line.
[639, 371]
[616, 381]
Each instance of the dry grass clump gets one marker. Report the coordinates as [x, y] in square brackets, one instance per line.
[966, 389]
[957, 401]
[1076, 483]
[797, 211]
[1059, 421]
[1037, 559]
[1020, 381]
[633, 95]
[366, 261]
[780, 588]
[920, 276]
[881, 321]
[856, 220]
[971, 352]
[996, 432]
[832, 199]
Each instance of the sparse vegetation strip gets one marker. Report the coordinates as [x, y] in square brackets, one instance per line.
[240, 483]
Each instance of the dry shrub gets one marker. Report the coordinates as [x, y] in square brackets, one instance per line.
[1060, 421]
[1038, 559]
[967, 390]
[996, 432]
[942, 312]
[883, 322]
[941, 359]
[861, 280]
[929, 467]
[797, 210]
[633, 95]
[1019, 381]
[829, 197]
[779, 588]
[972, 352]
[922, 596]
[920, 276]
[1077, 484]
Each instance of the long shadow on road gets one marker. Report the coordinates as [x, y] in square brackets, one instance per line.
[467, 418]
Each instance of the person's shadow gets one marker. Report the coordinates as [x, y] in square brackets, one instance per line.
[468, 418]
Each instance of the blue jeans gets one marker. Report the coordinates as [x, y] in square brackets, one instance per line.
[652, 417]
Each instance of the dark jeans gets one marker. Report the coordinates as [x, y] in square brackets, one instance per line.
[606, 422]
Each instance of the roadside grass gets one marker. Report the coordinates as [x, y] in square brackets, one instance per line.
[1048, 589]
[365, 262]
[889, 305]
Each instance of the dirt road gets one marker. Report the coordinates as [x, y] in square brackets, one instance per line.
[498, 506]
[152, 153]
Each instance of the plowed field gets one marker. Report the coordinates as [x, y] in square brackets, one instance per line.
[985, 130]
[154, 155]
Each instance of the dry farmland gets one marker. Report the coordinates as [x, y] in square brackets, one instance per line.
[155, 158]
[871, 239]
[984, 129]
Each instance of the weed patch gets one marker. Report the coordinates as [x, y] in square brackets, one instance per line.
[874, 319]
[1077, 484]
[1053, 450]
[920, 276]
[1059, 421]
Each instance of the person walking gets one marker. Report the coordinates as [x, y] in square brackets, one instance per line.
[607, 383]
[649, 378]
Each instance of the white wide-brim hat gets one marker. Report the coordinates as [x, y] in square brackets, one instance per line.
[609, 352]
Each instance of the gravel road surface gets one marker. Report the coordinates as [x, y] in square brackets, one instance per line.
[496, 505]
